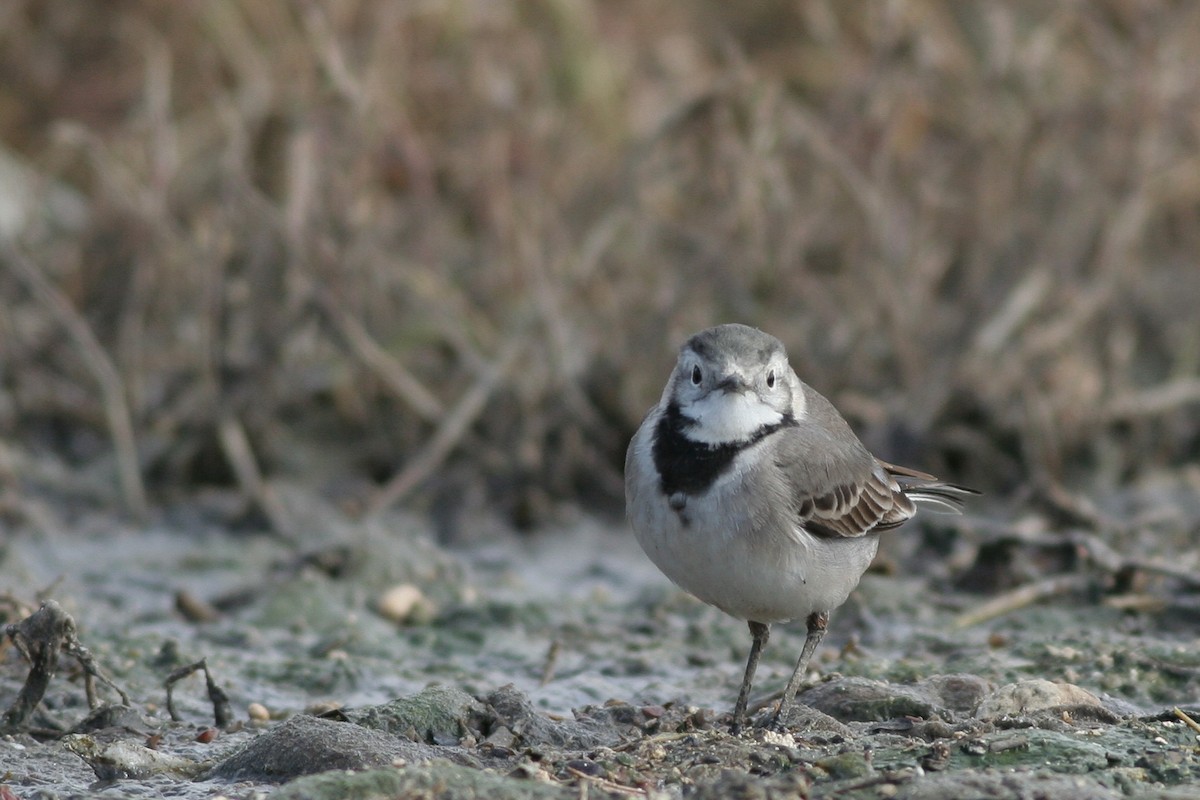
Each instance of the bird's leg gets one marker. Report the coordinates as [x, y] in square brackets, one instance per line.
[818, 621]
[760, 633]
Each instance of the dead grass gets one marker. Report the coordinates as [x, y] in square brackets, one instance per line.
[313, 231]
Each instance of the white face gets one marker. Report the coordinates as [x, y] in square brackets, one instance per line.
[731, 401]
[723, 417]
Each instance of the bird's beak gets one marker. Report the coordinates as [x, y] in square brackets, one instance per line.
[733, 384]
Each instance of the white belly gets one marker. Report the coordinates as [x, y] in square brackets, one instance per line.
[751, 565]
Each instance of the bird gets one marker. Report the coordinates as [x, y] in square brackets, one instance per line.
[748, 489]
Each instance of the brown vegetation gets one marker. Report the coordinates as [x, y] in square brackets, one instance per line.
[444, 251]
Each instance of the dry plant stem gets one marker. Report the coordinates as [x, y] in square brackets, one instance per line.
[603, 783]
[116, 409]
[1021, 597]
[1076, 509]
[1187, 720]
[222, 708]
[1144, 603]
[1156, 400]
[15, 504]
[236, 447]
[40, 638]
[871, 198]
[551, 662]
[1111, 561]
[452, 429]
[1096, 550]
[1017, 309]
[1179, 572]
[393, 374]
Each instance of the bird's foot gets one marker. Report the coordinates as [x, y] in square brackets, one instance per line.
[777, 720]
[761, 719]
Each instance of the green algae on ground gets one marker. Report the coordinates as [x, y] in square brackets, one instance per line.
[433, 781]
[439, 715]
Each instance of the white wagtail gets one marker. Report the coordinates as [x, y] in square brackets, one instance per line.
[748, 489]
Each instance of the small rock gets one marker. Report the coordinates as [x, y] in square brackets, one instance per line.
[439, 714]
[851, 764]
[815, 724]
[957, 692]
[126, 759]
[322, 707]
[938, 757]
[654, 712]
[501, 737]
[866, 700]
[404, 603]
[193, 609]
[303, 745]
[1028, 696]
[258, 712]
[778, 739]
[510, 707]
[111, 716]
[1012, 741]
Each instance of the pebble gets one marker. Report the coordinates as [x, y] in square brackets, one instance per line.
[258, 712]
[778, 739]
[194, 609]
[1028, 696]
[403, 603]
[322, 707]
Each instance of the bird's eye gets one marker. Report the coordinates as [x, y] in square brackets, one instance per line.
[771, 379]
[696, 376]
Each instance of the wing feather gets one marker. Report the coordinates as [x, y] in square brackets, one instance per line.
[837, 489]
[848, 510]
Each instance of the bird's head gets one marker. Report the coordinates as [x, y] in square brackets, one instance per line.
[731, 382]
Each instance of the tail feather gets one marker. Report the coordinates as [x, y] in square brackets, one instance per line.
[928, 491]
[945, 498]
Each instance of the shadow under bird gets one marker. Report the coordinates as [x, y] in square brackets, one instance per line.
[747, 489]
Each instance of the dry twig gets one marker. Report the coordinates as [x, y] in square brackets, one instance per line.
[91, 353]
[240, 455]
[394, 375]
[1021, 597]
[1186, 719]
[41, 637]
[1156, 400]
[551, 662]
[453, 427]
[222, 708]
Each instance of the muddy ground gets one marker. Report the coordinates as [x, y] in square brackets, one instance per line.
[564, 665]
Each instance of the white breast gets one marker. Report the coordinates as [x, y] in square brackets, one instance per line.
[731, 554]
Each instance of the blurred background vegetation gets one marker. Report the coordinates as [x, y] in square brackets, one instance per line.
[440, 253]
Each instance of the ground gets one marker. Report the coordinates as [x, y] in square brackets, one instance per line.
[531, 666]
